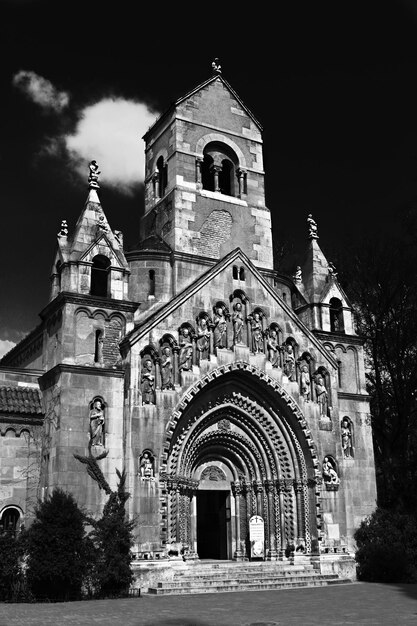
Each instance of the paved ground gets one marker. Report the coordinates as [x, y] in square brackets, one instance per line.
[351, 604]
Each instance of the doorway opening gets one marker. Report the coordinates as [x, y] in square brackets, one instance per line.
[213, 521]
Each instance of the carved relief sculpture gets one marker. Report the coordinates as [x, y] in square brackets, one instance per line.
[186, 349]
[97, 424]
[167, 376]
[147, 382]
[329, 471]
[237, 320]
[347, 439]
[203, 339]
[257, 338]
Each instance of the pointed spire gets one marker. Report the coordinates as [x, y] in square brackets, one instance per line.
[216, 67]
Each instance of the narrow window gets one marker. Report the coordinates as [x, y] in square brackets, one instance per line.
[226, 178]
[162, 176]
[10, 519]
[98, 351]
[100, 272]
[151, 282]
[235, 272]
[336, 316]
[207, 173]
[241, 273]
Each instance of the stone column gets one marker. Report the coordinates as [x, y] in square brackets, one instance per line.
[216, 169]
[299, 498]
[175, 352]
[157, 364]
[237, 491]
[198, 167]
[270, 491]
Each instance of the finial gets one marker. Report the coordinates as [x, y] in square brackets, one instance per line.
[94, 174]
[332, 269]
[64, 229]
[312, 227]
[298, 276]
[216, 67]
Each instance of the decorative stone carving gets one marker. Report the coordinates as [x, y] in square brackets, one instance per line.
[257, 334]
[93, 176]
[213, 473]
[167, 368]
[186, 349]
[223, 424]
[330, 476]
[312, 227]
[305, 382]
[203, 337]
[298, 276]
[289, 361]
[146, 466]
[347, 438]
[97, 423]
[237, 320]
[273, 346]
[148, 381]
[63, 232]
[220, 318]
[321, 394]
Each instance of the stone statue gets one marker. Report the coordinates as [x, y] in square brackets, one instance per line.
[257, 339]
[186, 350]
[329, 472]
[237, 320]
[216, 67]
[273, 348]
[312, 227]
[94, 174]
[220, 328]
[298, 276]
[64, 229]
[289, 362]
[305, 382]
[321, 395]
[347, 444]
[148, 382]
[146, 466]
[203, 339]
[97, 424]
[167, 381]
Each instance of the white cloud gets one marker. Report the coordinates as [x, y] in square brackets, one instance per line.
[6, 346]
[41, 91]
[110, 132]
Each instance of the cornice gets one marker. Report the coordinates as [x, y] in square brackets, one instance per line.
[50, 377]
[66, 297]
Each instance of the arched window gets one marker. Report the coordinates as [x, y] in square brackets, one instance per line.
[100, 276]
[241, 273]
[226, 178]
[151, 282]
[235, 272]
[98, 351]
[10, 519]
[219, 169]
[58, 271]
[207, 173]
[336, 316]
[162, 175]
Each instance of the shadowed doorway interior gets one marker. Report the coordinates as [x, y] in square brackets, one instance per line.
[212, 517]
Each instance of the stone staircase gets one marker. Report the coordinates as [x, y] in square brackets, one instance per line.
[226, 576]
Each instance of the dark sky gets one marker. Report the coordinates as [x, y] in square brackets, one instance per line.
[334, 85]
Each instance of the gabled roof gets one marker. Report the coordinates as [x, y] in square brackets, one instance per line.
[142, 328]
[199, 87]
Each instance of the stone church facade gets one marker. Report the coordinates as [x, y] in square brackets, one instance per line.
[224, 389]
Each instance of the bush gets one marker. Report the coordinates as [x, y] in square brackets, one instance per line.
[387, 547]
[57, 549]
[11, 575]
[112, 536]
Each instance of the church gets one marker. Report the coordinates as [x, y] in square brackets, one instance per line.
[233, 396]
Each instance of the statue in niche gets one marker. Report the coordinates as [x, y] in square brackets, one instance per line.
[347, 443]
[220, 327]
[203, 339]
[237, 320]
[167, 381]
[321, 394]
[148, 382]
[257, 339]
[97, 424]
[186, 349]
[273, 347]
[329, 472]
[289, 362]
[305, 382]
[146, 466]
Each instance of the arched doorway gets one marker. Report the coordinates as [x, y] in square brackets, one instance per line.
[239, 447]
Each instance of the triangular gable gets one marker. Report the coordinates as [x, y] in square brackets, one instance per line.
[331, 290]
[114, 255]
[193, 92]
[153, 320]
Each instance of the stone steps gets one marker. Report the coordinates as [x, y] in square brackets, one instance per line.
[232, 576]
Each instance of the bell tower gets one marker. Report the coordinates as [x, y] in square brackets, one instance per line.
[204, 181]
